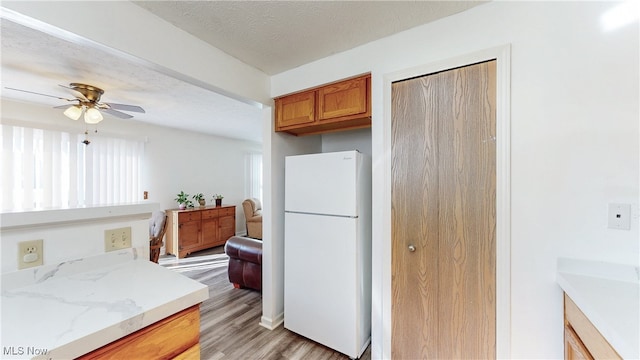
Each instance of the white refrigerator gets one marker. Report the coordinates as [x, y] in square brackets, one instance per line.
[327, 293]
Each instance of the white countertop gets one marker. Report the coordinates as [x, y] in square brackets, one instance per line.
[57, 216]
[75, 307]
[609, 295]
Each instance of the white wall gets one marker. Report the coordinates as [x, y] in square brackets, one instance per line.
[276, 146]
[72, 234]
[175, 160]
[574, 142]
[348, 140]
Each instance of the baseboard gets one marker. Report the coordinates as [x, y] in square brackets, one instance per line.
[272, 324]
[364, 347]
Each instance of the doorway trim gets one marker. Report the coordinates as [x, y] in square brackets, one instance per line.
[381, 331]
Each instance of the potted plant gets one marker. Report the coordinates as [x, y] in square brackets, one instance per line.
[183, 200]
[200, 199]
[218, 199]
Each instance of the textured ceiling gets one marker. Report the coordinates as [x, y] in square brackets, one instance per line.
[275, 36]
[39, 62]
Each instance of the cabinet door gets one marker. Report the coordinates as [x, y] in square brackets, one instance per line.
[189, 235]
[227, 227]
[295, 109]
[574, 349]
[343, 99]
[210, 236]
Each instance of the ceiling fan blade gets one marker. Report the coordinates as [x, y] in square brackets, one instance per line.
[33, 92]
[117, 113]
[75, 92]
[125, 107]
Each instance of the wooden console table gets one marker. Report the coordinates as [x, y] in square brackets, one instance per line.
[199, 228]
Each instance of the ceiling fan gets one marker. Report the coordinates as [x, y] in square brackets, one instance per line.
[88, 102]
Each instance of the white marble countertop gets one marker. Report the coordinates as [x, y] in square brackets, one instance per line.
[609, 295]
[67, 310]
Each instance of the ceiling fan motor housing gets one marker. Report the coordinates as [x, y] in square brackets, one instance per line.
[92, 93]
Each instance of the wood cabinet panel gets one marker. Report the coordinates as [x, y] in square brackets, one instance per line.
[210, 232]
[199, 228]
[189, 234]
[343, 105]
[342, 99]
[574, 349]
[597, 347]
[175, 336]
[297, 109]
[227, 228]
[192, 354]
[227, 211]
[189, 216]
[210, 214]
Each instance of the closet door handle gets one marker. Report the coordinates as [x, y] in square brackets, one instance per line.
[412, 248]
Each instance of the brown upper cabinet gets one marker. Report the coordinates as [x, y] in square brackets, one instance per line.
[342, 105]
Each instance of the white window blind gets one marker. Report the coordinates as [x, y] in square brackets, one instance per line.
[52, 169]
[253, 176]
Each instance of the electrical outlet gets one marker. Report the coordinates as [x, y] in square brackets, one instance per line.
[116, 239]
[29, 254]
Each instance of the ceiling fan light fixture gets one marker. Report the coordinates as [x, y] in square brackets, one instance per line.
[73, 112]
[92, 116]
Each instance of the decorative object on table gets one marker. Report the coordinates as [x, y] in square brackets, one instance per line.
[200, 199]
[218, 199]
[183, 200]
[253, 215]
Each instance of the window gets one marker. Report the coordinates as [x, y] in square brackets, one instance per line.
[52, 169]
[253, 176]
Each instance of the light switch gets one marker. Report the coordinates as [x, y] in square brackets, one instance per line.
[620, 216]
[116, 239]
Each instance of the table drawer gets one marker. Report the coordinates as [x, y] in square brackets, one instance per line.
[228, 211]
[188, 216]
[210, 214]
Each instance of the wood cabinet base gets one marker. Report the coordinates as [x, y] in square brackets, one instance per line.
[176, 337]
[581, 338]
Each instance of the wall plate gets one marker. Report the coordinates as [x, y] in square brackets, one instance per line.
[620, 216]
[30, 254]
[116, 239]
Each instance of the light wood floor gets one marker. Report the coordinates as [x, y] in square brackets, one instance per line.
[229, 325]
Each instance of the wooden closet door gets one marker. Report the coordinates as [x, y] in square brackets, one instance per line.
[443, 214]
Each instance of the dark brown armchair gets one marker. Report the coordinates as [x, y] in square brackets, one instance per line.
[245, 262]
